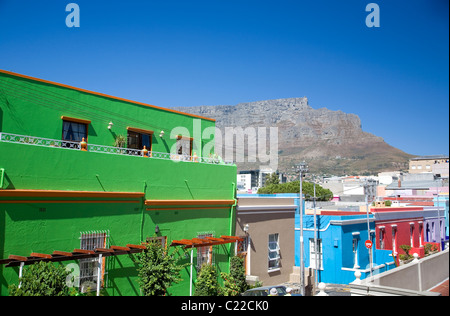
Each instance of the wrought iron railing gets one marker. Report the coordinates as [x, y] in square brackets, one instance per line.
[54, 143]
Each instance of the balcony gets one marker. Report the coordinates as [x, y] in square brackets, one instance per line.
[102, 149]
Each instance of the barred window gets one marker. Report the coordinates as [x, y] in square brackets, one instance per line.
[89, 267]
[205, 254]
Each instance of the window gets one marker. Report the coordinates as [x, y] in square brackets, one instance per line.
[162, 240]
[204, 254]
[74, 130]
[411, 235]
[420, 235]
[89, 267]
[138, 138]
[313, 254]
[274, 252]
[355, 253]
[381, 236]
[394, 239]
[184, 147]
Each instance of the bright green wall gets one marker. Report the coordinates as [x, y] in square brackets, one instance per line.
[33, 108]
[26, 228]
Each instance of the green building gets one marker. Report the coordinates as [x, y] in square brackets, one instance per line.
[82, 172]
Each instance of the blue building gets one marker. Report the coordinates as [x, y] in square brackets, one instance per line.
[341, 246]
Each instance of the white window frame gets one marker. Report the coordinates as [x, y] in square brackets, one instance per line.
[355, 245]
[89, 267]
[273, 263]
[312, 263]
[205, 254]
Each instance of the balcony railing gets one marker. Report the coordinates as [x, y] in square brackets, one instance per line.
[63, 144]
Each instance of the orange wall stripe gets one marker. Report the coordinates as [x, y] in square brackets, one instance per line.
[63, 201]
[188, 208]
[64, 194]
[187, 202]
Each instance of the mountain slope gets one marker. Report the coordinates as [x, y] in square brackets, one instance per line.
[332, 142]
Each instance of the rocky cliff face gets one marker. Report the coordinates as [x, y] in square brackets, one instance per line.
[331, 141]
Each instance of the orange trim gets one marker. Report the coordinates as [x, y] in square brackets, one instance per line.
[18, 258]
[206, 242]
[188, 202]
[64, 201]
[60, 193]
[188, 208]
[138, 130]
[76, 120]
[102, 95]
[185, 137]
[40, 255]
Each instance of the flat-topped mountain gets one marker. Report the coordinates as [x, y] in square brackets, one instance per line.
[331, 142]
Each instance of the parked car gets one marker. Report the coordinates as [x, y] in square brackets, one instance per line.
[264, 291]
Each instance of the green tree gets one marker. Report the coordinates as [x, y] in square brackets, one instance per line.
[207, 284]
[158, 270]
[234, 282]
[322, 194]
[41, 279]
[272, 179]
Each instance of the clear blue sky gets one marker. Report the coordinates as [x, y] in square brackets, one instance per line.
[185, 53]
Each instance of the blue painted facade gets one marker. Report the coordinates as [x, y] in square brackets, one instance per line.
[342, 247]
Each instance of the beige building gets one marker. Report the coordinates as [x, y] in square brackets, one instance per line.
[435, 164]
[267, 225]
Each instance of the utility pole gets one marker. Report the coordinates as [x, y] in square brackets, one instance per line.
[302, 168]
[316, 268]
[369, 196]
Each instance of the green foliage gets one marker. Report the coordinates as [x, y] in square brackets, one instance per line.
[230, 288]
[41, 279]
[272, 179]
[237, 273]
[430, 248]
[406, 249]
[294, 187]
[388, 203]
[207, 284]
[158, 270]
[234, 282]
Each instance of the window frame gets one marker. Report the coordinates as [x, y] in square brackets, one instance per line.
[73, 120]
[273, 250]
[180, 145]
[140, 133]
[90, 241]
[204, 254]
[312, 254]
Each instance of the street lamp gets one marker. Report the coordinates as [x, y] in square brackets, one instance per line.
[301, 168]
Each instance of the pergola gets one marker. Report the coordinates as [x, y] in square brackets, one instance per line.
[76, 254]
[202, 242]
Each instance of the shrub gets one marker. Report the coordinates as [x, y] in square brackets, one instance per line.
[158, 270]
[42, 279]
[207, 284]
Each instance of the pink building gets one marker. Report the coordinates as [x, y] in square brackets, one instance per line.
[397, 226]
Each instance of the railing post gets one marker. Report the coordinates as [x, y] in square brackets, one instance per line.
[83, 145]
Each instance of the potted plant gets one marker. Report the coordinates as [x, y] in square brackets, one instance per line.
[120, 142]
